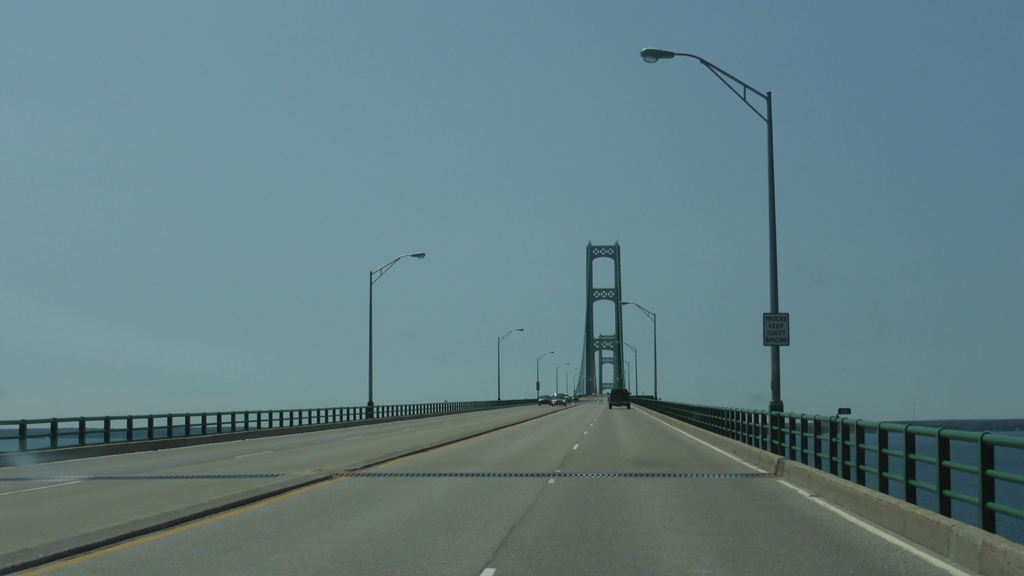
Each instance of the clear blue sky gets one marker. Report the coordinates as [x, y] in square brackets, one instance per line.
[194, 193]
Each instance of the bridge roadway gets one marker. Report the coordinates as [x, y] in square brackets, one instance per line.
[579, 490]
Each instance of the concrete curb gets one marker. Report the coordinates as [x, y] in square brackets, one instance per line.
[968, 546]
[10, 459]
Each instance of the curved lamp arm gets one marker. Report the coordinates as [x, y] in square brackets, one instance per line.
[652, 55]
[500, 340]
[380, 271]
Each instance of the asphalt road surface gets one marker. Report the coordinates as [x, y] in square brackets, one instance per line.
[582, 490]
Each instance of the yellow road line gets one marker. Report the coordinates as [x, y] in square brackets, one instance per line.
[182, 528]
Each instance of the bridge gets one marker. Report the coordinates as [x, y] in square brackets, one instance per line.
[513, 490]
[502, 487]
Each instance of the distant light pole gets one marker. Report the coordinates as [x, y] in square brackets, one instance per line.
[652, 55]
[374, 276]
[557, 370]
[654, 318]
[636, 375]
[538, 371]
[499, 358]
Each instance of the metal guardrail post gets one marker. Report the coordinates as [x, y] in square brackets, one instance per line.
[909, 465]
[803, 439]
[858, 439]
[816, 425]
[149, 427]
[22, 436]
[188, 424]
[833, 446]
[883, 460]
[205, 428]
[943, 474]
[763, 432]
[986, 484]
[106, 429]
[170, 425]
[130, 430]
[81, 431]
[54, 438]
[746, 422]
[246, 420]
[844, 448]
[792, 437]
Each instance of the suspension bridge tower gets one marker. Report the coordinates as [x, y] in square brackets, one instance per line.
[602, 357]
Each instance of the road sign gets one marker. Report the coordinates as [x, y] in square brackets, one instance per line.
[776, 329]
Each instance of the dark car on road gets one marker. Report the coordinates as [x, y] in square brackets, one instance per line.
[618, 397]
[544, 401]
[559, 400]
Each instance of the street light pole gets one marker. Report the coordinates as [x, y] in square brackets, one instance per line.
[374, 276]
[557, 370]
[654, 318]
[538, 371]
[499, 358]
[652, 55]
[636, 375]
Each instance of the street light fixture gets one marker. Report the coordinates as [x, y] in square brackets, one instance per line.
[652, 55]
[654, 318]
[538, 371]
[499, 358]
[374, 276]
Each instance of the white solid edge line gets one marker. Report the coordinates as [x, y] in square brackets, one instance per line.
[877, 532]
[40, 488]
[715, 448]
[488, 572]
[253, 454]
[938, 563]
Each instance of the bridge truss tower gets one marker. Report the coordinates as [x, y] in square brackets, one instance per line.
[602, 350]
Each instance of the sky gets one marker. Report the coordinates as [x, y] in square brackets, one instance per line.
[193, 195]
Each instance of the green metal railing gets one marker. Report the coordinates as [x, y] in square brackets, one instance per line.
[879, 455]
[51, 433]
